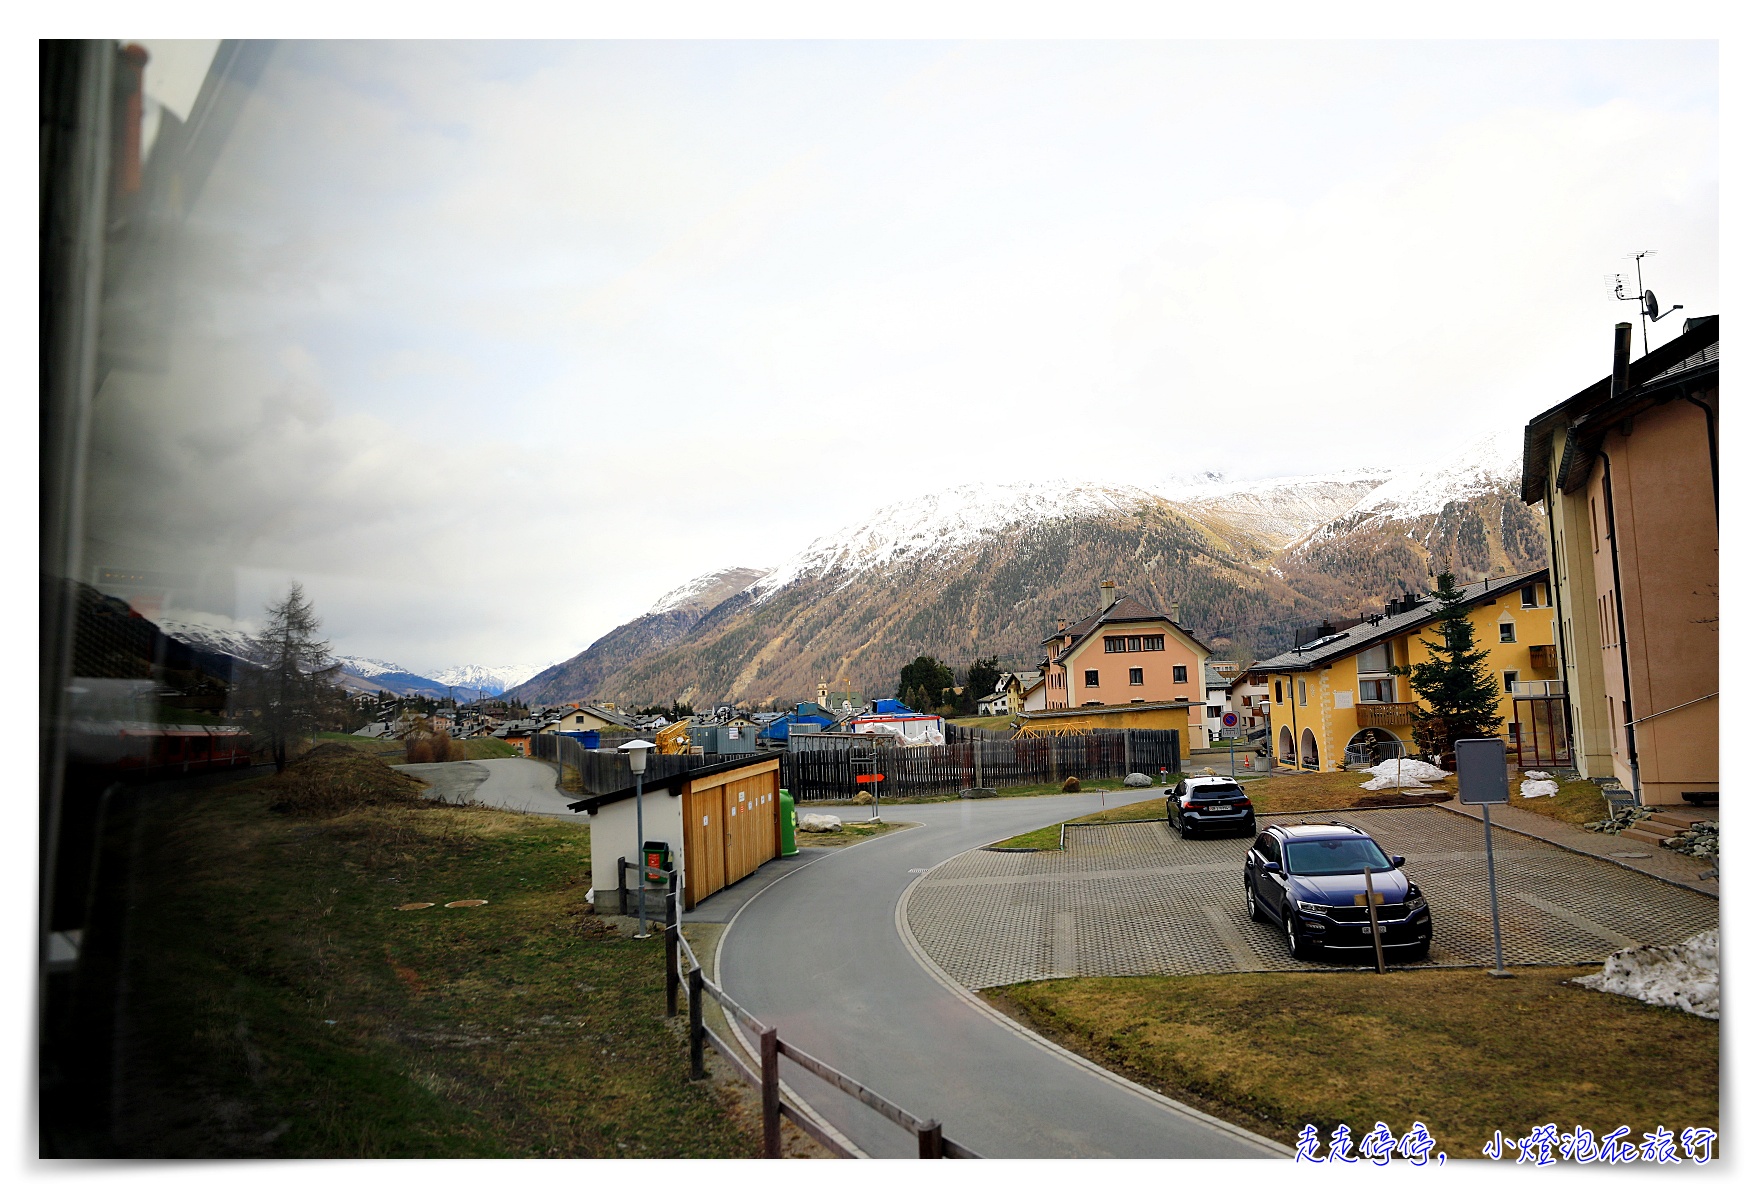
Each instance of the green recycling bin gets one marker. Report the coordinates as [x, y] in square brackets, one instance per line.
[788, 825]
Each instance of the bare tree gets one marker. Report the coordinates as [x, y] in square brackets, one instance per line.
[291, 681]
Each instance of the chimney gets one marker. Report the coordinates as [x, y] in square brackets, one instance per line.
[1107, 593]
[1620, 380]
[1174, 612]
[1061, 623]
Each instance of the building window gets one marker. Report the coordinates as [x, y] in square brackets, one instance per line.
[1092, 678]
[1278, 691]
[1180, 674]
[1532, 596]
[1513, 739]
[1114, 644]
[1376, 690]
[1215, 714]
[1509, 678]
[1135, 644]
[1507, 627]
[1135, 676]
[1153, 644]
[1302, 685]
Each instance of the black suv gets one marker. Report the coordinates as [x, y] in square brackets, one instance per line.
[1308, 878]
[1207, 802]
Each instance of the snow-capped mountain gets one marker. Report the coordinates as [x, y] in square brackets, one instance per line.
[943, 523]
[208, 634]
[1489, 465]
[488, 680]
[988, 568]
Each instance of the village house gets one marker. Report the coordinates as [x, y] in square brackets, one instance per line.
[1124, 666]
[580, 717]
[1628, 471]
[1335, 702]
[1008, 697]
[1248, 694]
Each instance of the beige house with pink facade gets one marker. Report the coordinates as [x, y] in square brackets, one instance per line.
[1123, 658]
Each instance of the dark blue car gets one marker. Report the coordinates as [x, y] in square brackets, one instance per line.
[1309, 879]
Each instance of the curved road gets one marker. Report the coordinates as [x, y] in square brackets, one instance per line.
[817, 953]
[510, 783]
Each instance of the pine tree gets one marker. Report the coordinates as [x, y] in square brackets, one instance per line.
[289, 687]
[1457, 698]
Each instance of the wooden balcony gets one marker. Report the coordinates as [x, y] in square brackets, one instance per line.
[1544, 660]
[1384, 715]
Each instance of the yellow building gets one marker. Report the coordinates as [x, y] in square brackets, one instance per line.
[1335, 702]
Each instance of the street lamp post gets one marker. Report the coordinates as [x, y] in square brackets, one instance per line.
[637, 751]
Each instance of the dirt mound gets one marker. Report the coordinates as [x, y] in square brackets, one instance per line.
[333, 778]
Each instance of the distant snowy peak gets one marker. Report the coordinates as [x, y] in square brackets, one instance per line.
[945, 522]
[488, 679]
[710, 587]
[1212, 485]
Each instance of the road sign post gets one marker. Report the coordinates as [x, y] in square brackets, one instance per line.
[873, 780]
[1483, 779]
[1230, 721]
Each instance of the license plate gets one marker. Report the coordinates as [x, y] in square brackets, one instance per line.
[1212, 810]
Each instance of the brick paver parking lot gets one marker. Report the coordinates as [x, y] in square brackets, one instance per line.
[1134, 899]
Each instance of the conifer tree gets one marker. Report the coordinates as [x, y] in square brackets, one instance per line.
[290, 684]
[1457, 698]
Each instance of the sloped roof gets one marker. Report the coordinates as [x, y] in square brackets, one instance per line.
[1122, 610]
[1369, 633]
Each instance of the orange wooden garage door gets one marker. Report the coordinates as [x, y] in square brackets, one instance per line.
[731, 829]
[704, 842]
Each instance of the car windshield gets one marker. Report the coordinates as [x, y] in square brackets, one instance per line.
[1344, 856]
[1216, 792]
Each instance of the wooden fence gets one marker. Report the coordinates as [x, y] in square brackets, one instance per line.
[828, 775]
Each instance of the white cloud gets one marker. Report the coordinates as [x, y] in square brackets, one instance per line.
[494, 344]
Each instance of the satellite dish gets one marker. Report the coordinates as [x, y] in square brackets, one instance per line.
[1650, 305]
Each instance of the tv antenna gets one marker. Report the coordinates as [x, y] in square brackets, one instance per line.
[1617, 288]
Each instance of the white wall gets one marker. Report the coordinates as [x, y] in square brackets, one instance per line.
[613, 836]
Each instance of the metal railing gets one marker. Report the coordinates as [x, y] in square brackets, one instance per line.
[765, 1078]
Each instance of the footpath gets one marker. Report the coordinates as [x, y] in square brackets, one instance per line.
[1656, 862]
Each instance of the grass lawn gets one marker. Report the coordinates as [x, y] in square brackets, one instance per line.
[282, 1005]
[1464, 1053]
[1574, 803]
[999, 723]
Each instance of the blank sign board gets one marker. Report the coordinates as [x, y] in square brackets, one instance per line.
[1483, 770]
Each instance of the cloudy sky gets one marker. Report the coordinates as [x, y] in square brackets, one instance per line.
[491, 345]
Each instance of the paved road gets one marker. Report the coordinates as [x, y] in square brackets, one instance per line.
[510, 783]
[818, 954]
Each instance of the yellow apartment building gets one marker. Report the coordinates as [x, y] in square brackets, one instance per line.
[1336, 703]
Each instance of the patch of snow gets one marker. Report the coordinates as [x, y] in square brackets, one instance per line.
[1402, 771]
[1537, 788]
[1686, 976]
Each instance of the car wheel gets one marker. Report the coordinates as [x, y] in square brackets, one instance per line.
[1251, 910]
[1183, 829]
[1296, 949]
